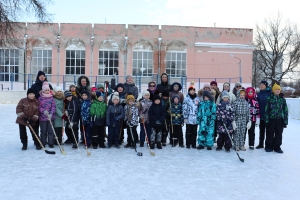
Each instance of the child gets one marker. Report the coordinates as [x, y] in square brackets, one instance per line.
[59, 112]
[157, 115]
[190, 113]
[226, 87]
[276, 118]
[28, 112]
[85, 117]
[72, 89]
[47, 110]
[167, 122]
[131, 120]
[93, 94]
[242, 120]
[73, 113]
[176, 87]
[98, 111]
[114, 115]
[144, 107]
[177, 121]
[206, 118]
[254, 111]
[225, 116]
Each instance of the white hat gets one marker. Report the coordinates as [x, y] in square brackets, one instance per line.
[146, 92]
[57, 88]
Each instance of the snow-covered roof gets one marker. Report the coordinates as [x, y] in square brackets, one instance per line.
[224, 45]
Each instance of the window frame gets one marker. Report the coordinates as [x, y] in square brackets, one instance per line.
[148, 72]
[114, 60]
[13, 63]
[76, 62]
[40, 65]
[178, 60]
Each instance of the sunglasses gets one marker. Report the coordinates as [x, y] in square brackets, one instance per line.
[151, 85]
[238, 86]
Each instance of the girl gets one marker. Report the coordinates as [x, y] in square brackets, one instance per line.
[93, 94]
[59, 112]
[226, 87]
[131, 120]
[144, 107]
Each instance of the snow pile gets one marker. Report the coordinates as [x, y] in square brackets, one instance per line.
[288, 89]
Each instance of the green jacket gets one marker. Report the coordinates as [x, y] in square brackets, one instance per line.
[58, 113]
[276, 108]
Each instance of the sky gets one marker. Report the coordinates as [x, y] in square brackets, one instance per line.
[199, 13]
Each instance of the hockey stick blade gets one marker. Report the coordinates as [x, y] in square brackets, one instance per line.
[49, 152]
[241, 159]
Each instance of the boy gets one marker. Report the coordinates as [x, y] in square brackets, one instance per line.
[225, 116]
[114, 115]
[85, 117]
[166, 124]
[131, 120]
[98, 112]
[177, 121]
[276, 118]
[144, 107]
[206, 118]
[157, 115]
[28, 112]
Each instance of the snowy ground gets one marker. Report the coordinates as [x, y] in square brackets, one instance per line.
[174, 173]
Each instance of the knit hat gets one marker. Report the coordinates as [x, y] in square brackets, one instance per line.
[57, 88]
[264, 82]
[206, 94]
[98, 94]
[93, 89]
[99, 85]
[72, 85]
[237, 84]
[29, 91]
[146, 92]
[45, 86]
[206, 86]
[175, 97]
[126, 77]
[225, 94]
[130, 97]
[276, 87]
[119, 85]
[214, 83]
[165, 93]
[156, 97]
[67, 94]
[41, 73]
[85, 92]
[115, 96]
[191, 88]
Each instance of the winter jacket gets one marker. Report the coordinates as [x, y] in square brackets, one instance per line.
[46, 104]
[131, 88]
[174, 93]
[152, 94]
[58, 112]
[190, 109]
[80, 88]
[262, 96]
[218, 93]
[131, 114]
[112, 112]
[164, 85]
[276, 108]
[85, 111]
[166, 105]
[37, 86]
[73, 109]
[144, 109]
[212, 92]
[122, 97]
[98, 112]
[225, 115]
[207, 116]
[177, 117]
[27, 108]
[253, 105]
[157, 113]
[232, 98]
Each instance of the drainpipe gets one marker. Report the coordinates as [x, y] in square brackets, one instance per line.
[125, 58]
[159, 50]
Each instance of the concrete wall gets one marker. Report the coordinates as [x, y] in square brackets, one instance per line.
[12, 96]
[294, 107]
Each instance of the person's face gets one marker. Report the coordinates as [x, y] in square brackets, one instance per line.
[83, 82]
[192, 92]
[164, 78]
[101, 90]
[206, 98]
[129, 79]
[116, 101]
[206, 89]
[238, 87]
[47, 91]
[176, 100]
[69, 98]
[42, 77]
[130, 102]
[157, 101]
[226, 87]
[94, 92]
[31, 95]
[225, 99]
[213, 86]
[176, 87]
[242, 95]
[262, 86]
[250, 93]
[146, 96]
[100, 98]
[277, 92]
[72, 89]
[120, 89]
[152, 86]
[84, 96]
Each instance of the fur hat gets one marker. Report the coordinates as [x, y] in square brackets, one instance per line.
[99, 85]
[146, 92]
[119, 85]
[57, 88]
[225, 94]
[214, 83]
[276, 87]
[130, 97]
[93, 89]
[29, 91]
[115, 96]
[67, 94]
[45, 86]
[265, 83]
[207, 94]
[156, 97]
[165, 93]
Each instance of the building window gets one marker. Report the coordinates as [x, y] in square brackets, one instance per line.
[41, 61]
[108, 62]
[9, 65]
[176, 64]
[75, 62]
[142, 63]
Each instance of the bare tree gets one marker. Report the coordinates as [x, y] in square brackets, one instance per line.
[12, 12]
[277, 48]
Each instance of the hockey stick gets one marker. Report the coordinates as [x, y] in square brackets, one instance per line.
[48, 152]
[73, 133]
[152, 153]
[241, 159]
[121, 127]
[60, 147]
[137, 153]
[87, 151]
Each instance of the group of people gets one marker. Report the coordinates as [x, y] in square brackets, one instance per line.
[209, 115]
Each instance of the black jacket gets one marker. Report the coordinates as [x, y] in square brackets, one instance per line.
[157, 112]
[164, 85]
[73, 109]
[37, 86]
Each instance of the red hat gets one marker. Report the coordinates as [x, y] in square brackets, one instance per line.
[93, 89]
[214, 83]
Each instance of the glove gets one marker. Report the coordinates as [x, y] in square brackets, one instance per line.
[71, 125]
[185, 121]
[46, 112]
[31, 122]
[64, 117]
[116, 119]
[234, 125]
[66, 113]
[158, 122]
[49, 116]
[257, 122]
[284, 126]
[249, 125]
[91, 124]
[25, 119]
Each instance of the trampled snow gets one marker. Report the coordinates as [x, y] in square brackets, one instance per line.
[173, 173]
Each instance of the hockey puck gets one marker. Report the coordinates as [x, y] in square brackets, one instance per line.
[140, 154]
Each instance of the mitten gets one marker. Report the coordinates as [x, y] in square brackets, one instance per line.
[31, 122]
[71, 125]
[46, 112]
[66, 113]
[64, 117]
[257, 122]
[25, 119]
[249, 125]
[49, 116]
[234, 125]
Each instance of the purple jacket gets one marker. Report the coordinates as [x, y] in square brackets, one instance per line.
[46, 103]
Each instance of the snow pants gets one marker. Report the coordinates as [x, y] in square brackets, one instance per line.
[156, 133]
[134, 135]
[262, 132]
[206, 136]
[165, 131]
[224, 140]
[98, 135]
[142, 133]
[239, 133]
[177, 133]
[69, 132]
[113, 135]
[251, 135]
[58, 132]
[23, 134]
[191, 135]
[47, 132]
[274, 134]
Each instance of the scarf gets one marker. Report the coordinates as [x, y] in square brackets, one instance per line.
[74, 93]
[58, 96]
[46, 95]
[192, 96]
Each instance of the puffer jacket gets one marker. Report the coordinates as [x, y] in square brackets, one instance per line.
[131, 114]
[276, 108]
[253, 104]
[73, 109]
[190, 108]
[174, 93]
[225, 115]
[144, 109]
[58, 112]
[46, 104]
[207, 116]
[98, 112]
[262, 96]
[164, 86]
[112, 112]
[157, 113]
[27, 108]
[131, 88]
[177, 117]
[85, 111]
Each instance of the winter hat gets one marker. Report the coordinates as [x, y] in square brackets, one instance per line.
[225, 94]
[29, 91]
[72, 85]
[191, 88]
[130, 97]
[165, 93]
[99, 85]
[248, 89]
[156, 97]
[68, 94]
[237, 84]
[119, 85]
[175, 97]
[85, 92]
[214, 83]
[115, 96]
[126, 77]
[264, 82]
[45, 86]
[152, 82]
[98, 94]
[276, 87]
[145, 92]
[41, 73]
[242, 92]
[57, 88]
[206, 86]
[93, 89]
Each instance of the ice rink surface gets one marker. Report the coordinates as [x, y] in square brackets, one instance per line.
[173, 173]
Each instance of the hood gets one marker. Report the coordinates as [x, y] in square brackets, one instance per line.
[228, 84]
[37, 80]
[208, 94]
[253, 91]
[119, 85]
[238, 93]
[164, 83]
[176, 83]
[88, 83]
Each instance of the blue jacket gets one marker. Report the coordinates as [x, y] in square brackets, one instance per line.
[177, 117]
[85, 111]
[262, 96]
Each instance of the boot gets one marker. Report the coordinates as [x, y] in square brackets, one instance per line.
[260, 146]
[159, 146]
[278, 150]
[24, 146]
[151, 146]
[38, 147]
[208, 148]
[200, 147]
[242, 148]
[74, 146]
[142, 144]
[227, 149]
[218, 148]
[128, 145]
[251, 147]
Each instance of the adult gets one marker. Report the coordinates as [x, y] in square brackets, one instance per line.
[262, 96]
[83, 84]
[206, 87]
[152, 89]
[175, 91]
[129, 87]
[37, 86]
[226, 87]
[164, 84]
[214, 86]
[237, 86]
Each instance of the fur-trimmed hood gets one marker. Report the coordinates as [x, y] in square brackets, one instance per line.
[79, 87]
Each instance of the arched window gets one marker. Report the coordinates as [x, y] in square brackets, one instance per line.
[142, 59]
[176, 59]
[75, 57]
[108, 58]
